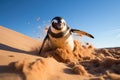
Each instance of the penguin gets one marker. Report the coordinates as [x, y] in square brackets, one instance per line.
[59, 35]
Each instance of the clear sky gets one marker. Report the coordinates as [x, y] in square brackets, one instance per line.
[101, 18]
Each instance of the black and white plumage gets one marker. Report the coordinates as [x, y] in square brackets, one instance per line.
[59, 35]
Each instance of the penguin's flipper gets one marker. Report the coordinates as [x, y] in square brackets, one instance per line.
[46, 37]
[81, 33]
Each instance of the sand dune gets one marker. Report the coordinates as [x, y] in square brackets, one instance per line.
[19, 60]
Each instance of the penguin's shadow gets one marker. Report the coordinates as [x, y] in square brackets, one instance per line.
[12, 49]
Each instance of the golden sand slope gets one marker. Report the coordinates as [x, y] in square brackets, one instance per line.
[18, 60]
[17, 63]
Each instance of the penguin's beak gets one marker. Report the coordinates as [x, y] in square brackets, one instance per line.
[57, 26]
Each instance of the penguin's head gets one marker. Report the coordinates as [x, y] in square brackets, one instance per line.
[58, 23]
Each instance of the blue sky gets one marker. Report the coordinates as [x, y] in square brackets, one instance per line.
[101, 18]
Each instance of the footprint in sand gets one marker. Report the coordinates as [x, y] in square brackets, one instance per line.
[10, 55]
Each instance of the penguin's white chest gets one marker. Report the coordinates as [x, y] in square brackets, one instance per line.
[62, 42]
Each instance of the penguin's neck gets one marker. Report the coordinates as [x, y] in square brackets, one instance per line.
[58, 31]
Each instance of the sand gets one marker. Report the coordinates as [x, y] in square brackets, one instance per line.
[19, 60]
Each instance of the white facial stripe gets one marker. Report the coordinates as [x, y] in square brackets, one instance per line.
[63, 21]
[64, 28]
[55, 21]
